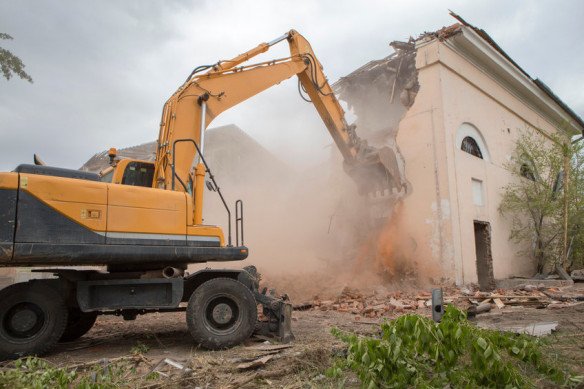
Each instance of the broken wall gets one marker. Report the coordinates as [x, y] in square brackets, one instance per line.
[448, 190]
[384, 95]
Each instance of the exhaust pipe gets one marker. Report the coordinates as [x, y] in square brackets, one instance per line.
[172, 272]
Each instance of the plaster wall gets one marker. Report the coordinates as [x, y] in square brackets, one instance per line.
[426, 211]
[440, 210]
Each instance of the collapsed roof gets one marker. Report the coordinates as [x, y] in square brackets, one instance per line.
[394, 77]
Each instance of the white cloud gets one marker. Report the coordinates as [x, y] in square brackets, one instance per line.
[103, 70]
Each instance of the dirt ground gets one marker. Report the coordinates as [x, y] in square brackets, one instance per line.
[164, 335]
[152, 338]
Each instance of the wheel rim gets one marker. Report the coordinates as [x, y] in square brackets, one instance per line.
[24, 320]
[222, 315]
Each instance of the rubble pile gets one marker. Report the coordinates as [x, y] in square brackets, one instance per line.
[524, 295]
[378, 304]
[370, 305]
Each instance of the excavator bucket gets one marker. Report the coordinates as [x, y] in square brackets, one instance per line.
[376, 173]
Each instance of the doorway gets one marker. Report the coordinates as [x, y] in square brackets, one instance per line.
[482, 234]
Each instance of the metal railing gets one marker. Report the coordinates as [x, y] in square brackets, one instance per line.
[238, 221]
[212, 178]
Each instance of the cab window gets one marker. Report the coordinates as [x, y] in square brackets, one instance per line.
[138, 174]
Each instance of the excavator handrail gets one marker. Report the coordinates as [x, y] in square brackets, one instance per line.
[212, 178]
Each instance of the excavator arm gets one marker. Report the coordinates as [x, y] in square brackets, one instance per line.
[204, 96]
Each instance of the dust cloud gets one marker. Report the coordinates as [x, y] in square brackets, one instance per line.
[309, 232]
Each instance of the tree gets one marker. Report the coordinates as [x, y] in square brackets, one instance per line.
[576, 208]
[535, 200]
[9, 63]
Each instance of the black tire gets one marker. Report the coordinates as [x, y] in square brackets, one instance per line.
[33, 317]
[78, 324]
[221, 313]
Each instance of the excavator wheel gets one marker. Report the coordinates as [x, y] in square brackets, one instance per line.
[221, 313]
[78, 324]
[33, 317]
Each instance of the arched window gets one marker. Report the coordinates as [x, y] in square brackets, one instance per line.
[470, 140]
[469, 145]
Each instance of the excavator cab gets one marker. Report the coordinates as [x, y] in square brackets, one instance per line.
[134, 173]
[129, 172]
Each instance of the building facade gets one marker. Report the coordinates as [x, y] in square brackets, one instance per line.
[455, 132]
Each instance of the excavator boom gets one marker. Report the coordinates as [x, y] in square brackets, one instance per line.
[212, 89]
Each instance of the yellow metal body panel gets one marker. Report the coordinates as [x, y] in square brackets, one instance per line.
[8, 180]
[83, 201]
[104, 207]
[206, 231]
[119, 171]
[146, 210]
[190, 213]
[198, 195]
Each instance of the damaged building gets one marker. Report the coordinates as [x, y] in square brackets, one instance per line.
[451, 104]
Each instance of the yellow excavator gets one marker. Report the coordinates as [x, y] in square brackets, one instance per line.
[143, 221]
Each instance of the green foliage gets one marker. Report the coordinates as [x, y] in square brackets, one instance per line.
[36, 373]
[576, 206]
[139, 348]
[414, 351]
[534, 200]
[9, 63]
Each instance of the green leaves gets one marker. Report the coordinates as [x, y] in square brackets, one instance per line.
[9, 63]
[482, 343]
[413, 351]
[458, 334]
[537, 203]
[32, 372]
[36, 373]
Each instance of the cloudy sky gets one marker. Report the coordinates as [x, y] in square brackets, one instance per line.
[103, 69]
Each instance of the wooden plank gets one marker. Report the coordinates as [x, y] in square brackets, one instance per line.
[516, 296]
[255, 363]
[269, 347]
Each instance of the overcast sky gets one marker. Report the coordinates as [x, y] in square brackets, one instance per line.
[103, 69]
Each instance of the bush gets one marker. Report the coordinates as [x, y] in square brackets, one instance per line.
[414, 351]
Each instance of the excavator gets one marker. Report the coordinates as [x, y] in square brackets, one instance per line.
[142, 222]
